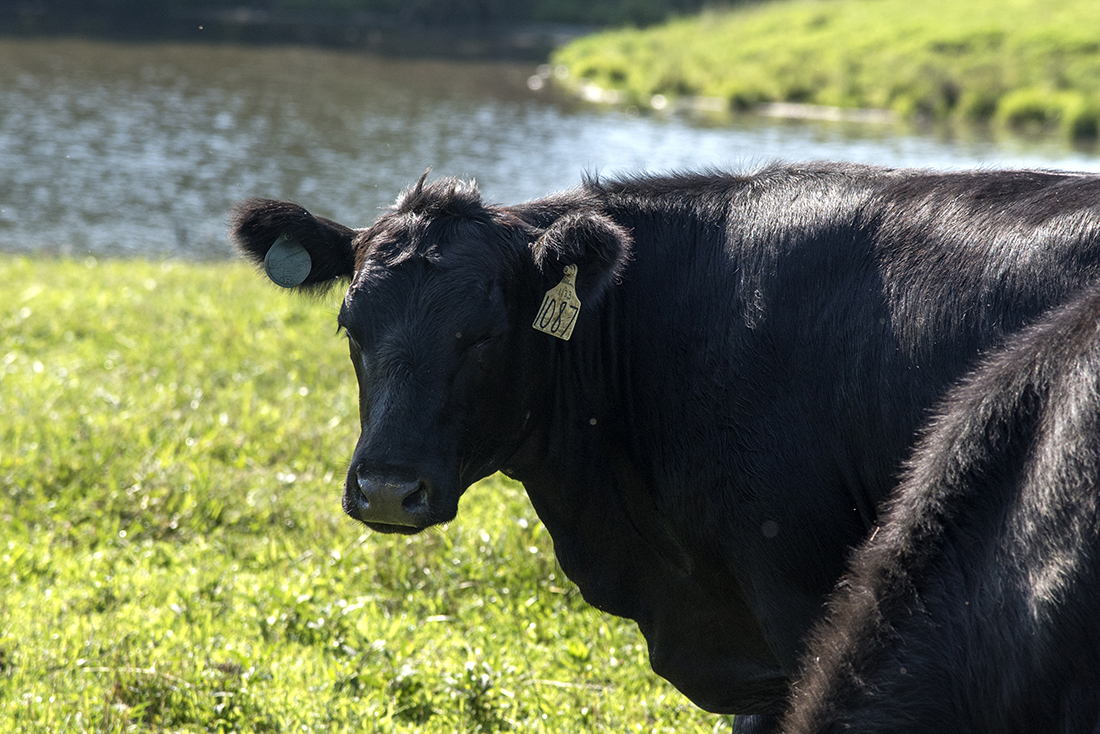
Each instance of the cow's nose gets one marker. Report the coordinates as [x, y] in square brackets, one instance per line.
[387, 500]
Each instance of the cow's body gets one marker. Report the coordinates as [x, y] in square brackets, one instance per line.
[975, 607]
[751, 361]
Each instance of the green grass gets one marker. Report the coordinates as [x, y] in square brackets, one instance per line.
[173, 439]
[1028, 64]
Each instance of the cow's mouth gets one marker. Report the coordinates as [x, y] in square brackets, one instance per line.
[392, 529]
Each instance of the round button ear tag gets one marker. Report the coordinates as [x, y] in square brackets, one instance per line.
[287, 262]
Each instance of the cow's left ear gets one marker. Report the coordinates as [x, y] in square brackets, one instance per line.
[296, 248]
[598, 246]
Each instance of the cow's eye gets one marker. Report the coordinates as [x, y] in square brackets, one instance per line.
[356, 353]
[470, 342]
[482, 343]
[474, 350]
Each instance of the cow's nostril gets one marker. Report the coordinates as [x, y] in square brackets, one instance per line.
[417, 500]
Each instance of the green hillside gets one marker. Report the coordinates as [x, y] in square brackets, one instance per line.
[1021, 63]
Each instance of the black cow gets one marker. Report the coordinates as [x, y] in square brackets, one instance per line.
[975, 606]
[748, 365]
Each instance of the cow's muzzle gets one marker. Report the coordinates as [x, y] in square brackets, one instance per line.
[388, 503]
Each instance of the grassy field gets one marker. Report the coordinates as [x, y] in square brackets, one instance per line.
[174, 559]
[1026, 64]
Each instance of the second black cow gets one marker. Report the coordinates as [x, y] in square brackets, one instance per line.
[748, 360]
[975, 607]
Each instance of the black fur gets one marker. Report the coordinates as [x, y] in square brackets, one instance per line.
[975, 607]
[753, 356]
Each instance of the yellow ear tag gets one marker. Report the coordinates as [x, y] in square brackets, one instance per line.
[560, 307]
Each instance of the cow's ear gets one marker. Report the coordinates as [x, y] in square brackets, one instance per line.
[599, 247]
[297, 249]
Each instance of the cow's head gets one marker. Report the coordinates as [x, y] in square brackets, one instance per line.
[438, 314]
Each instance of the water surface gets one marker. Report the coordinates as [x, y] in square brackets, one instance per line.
[121, 150]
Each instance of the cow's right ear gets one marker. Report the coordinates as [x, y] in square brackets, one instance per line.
[297, 249]
[593, 242]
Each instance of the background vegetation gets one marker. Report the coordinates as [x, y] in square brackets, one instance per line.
[51, 13]
[174, 558]
[1028, 64]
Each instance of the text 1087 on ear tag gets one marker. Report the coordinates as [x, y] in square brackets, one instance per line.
[560, 307]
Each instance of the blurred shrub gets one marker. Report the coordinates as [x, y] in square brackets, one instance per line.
[1039, 109]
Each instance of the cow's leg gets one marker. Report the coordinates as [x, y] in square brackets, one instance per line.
[760, 724]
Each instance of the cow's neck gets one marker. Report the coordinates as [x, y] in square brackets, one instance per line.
[597, 499]
[576, 462]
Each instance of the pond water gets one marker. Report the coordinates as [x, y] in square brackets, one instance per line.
[124, 150]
